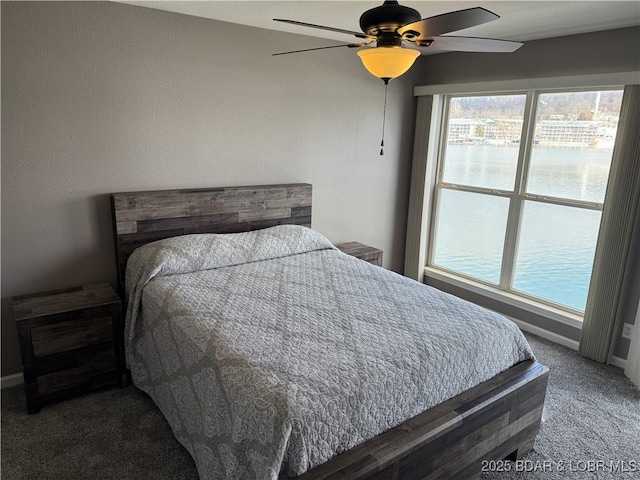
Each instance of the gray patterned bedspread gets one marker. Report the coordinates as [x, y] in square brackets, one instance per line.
[269, 352]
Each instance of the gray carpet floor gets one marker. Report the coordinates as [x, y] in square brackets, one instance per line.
[593, 415]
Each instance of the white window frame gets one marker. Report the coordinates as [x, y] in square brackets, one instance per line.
[429, 140]
[516, 197]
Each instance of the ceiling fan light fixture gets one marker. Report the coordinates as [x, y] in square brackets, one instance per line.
[388, 62]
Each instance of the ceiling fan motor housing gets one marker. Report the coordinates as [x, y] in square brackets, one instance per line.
[387, 18]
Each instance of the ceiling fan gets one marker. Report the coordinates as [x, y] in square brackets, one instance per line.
[393, 27]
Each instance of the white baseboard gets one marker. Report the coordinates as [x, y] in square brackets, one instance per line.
[619, 362]
[567, 342]
[546, 334]
[11, 380]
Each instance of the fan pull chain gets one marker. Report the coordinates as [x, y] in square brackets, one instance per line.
[384, 115]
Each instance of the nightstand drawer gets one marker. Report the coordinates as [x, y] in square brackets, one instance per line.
[65, 336]
[101, 361]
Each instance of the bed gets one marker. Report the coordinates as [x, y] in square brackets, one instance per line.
[274, 355]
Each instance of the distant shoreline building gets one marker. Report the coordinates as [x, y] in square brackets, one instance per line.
[552, 133]
[567, 133]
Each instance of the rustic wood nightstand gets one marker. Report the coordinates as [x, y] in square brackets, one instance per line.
[71, 342]
[363, 252]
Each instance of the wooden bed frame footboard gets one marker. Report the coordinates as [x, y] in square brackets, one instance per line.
[495, 420]
[498, 419]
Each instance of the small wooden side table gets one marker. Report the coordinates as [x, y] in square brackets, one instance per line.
[71, 340]
[363, 252]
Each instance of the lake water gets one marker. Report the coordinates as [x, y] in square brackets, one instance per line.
[556, 243]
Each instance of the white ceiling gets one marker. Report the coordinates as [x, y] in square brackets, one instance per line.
[520, 20]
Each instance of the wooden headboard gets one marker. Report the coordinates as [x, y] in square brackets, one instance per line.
[143, 217]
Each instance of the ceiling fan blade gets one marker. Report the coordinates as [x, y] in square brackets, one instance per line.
[448, 22]
[471, 44]
[350, 45]
[322, 27]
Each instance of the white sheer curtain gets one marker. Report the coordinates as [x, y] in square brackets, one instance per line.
[633, 359]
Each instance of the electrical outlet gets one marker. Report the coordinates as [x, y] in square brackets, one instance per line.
[627, 329]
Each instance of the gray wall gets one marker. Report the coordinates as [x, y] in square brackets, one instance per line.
[630, 294]
[599, 52]
[101, 97]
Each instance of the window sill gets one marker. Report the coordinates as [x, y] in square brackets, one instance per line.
[529, 305]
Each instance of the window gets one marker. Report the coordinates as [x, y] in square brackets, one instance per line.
[520, 188]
